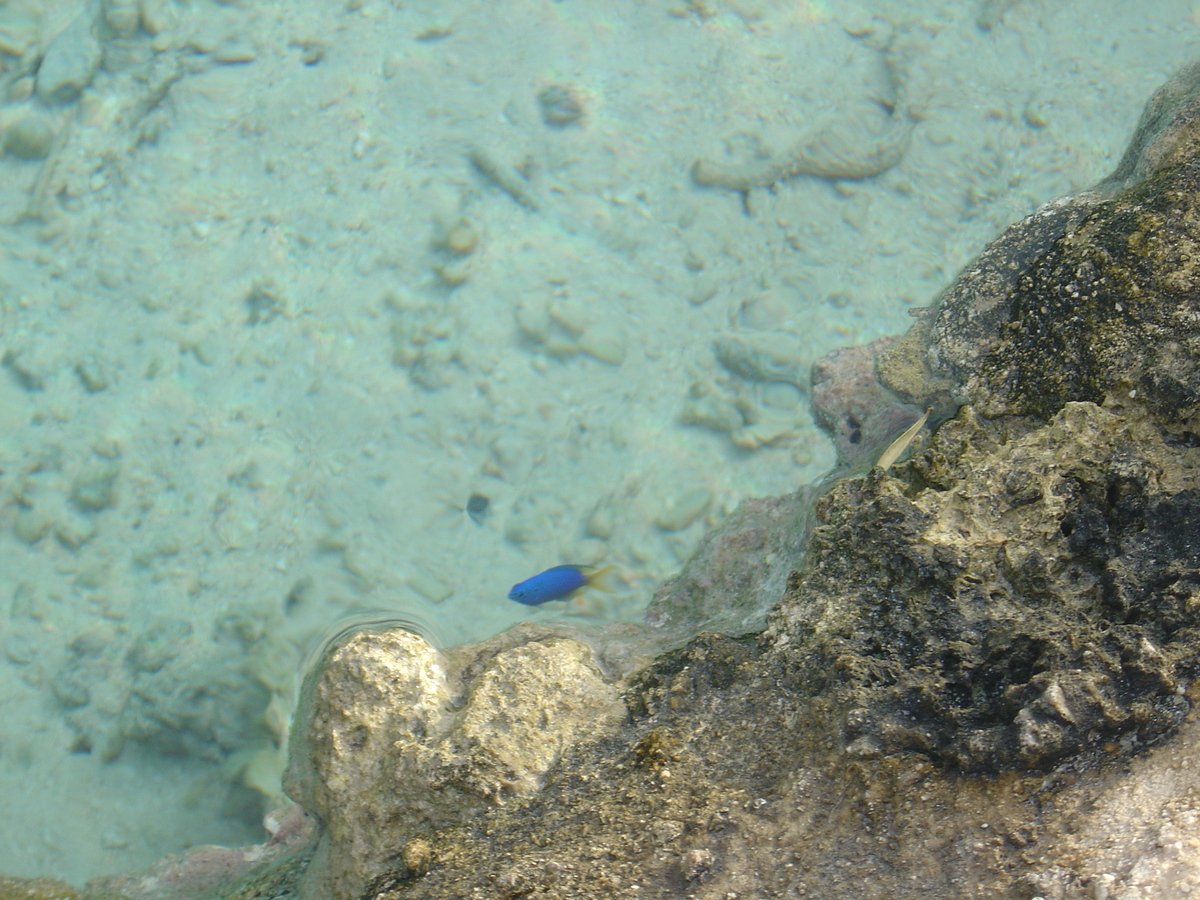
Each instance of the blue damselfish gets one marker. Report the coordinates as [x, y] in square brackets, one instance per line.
[558, 583]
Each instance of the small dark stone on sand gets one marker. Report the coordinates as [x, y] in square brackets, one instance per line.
[477, 507]
[561, 106]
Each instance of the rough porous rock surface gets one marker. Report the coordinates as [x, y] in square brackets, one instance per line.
[1093, 297]
[401, 741]
[1020, 593]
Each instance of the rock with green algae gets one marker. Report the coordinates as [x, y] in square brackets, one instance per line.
[1022, 593]
[35, 889]
[1090, 298]
[1045, 541]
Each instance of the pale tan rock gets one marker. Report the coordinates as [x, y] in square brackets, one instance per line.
[529, 706]
[378, 694]
[1141, 839]
[383, 761]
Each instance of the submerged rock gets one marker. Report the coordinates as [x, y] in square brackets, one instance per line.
[1091, 298]
[401, 742]
[1020, 593]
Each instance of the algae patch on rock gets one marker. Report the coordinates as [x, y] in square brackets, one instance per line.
[1015, 596]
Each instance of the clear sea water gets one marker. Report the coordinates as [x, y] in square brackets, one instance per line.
[315, 312]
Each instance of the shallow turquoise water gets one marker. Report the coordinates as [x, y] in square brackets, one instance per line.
[284, 287]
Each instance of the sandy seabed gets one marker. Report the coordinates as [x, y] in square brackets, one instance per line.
[286, 288]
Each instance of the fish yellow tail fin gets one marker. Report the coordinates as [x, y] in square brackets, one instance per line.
[605, 579]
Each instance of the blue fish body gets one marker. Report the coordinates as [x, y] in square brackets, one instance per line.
[557, 583]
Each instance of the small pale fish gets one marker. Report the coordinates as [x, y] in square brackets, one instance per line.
[560, 583]
[896, 449]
